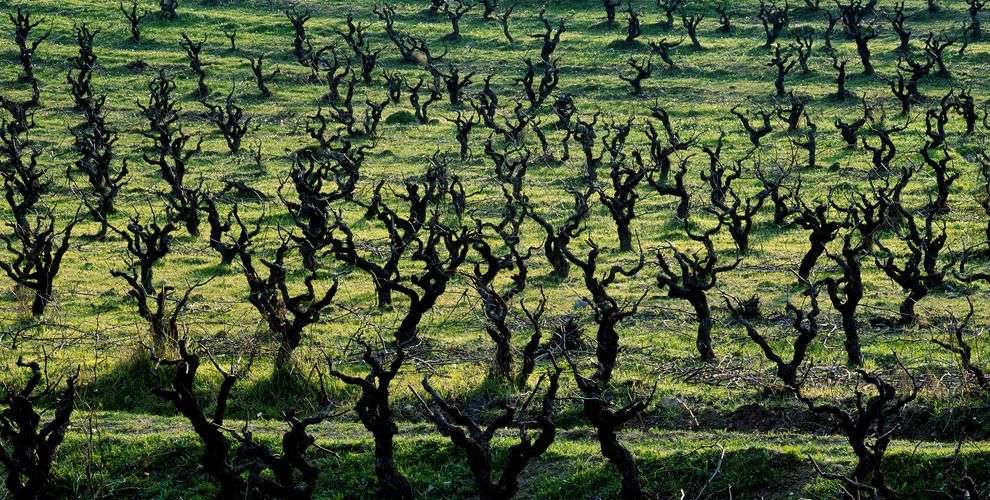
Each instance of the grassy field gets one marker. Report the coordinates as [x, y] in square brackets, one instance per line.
[126, 442]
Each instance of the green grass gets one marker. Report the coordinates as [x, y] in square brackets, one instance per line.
[151, 457]
[94, 326]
